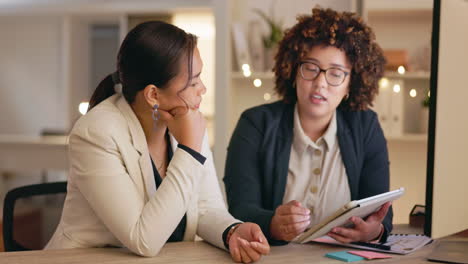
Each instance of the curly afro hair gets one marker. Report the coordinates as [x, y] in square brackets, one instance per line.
[344, 30]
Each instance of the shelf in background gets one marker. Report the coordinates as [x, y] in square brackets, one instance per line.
[393, 75]
[408, 75]
[409, 137]
[398, 6]
[255, 75]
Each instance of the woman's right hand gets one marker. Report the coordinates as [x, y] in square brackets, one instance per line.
[290, 220]
[186, 125]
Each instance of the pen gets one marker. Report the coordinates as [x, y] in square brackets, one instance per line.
[372, 245]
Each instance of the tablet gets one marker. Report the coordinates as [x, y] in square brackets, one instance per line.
[360, 208]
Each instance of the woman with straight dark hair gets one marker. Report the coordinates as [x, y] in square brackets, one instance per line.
[141, 170]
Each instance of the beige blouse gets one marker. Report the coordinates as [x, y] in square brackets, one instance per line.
[317, 176]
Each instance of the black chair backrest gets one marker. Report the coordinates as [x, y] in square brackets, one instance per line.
[9, 207]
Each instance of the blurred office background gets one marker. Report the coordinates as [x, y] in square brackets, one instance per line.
[53, 53]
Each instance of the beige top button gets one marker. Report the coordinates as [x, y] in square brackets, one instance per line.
[314, 189]
[317, 152]
[317, 171]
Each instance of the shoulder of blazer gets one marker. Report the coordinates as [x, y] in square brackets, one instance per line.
[352, 119]
[267, 116]
[358, 123]
[104, 119]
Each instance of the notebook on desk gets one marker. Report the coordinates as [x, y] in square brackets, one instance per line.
[398, 243]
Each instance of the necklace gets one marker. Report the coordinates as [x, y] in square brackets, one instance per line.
[160, 165]
[160, 157]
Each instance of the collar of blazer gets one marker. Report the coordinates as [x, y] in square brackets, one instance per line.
[140, 144]
[136, 131]
[138, 135]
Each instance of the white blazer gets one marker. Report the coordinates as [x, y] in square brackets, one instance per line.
[111, 195]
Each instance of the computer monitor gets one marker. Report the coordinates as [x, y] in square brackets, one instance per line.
[447, 166]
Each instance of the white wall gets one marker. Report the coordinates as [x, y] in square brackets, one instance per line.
[31, 96]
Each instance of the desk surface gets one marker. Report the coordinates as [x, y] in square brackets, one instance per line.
[195, 252]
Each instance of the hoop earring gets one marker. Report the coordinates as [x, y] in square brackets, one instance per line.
[346, 97]
[155, 113]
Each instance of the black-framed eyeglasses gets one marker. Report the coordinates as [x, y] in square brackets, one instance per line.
[334, 76]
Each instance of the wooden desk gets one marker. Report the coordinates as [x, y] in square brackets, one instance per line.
[195, 252]
[201, 252]
[19, 152]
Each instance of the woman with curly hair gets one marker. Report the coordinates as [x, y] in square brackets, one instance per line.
[292, 163]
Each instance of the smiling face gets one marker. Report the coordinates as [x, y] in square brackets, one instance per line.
[316, 98]
[176, 95]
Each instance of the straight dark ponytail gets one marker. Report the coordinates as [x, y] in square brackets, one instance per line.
[151, 53]
[104, 90]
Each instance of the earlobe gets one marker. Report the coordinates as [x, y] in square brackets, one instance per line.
[151, 93]
[346, 97]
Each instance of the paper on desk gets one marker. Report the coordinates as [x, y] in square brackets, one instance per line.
[369, 254]
[400, 243]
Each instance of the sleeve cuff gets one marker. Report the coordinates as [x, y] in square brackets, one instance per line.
[384, 236]
[194, 153]
[225, 233]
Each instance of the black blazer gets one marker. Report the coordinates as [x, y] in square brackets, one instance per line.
[258, 160]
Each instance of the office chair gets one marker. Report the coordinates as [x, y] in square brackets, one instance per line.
[29, 191]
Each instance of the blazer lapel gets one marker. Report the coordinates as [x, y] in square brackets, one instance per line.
[348, 153]
[139, 142]
[283, 153]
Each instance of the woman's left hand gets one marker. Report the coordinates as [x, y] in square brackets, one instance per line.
[363, 230]
[247, 244]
